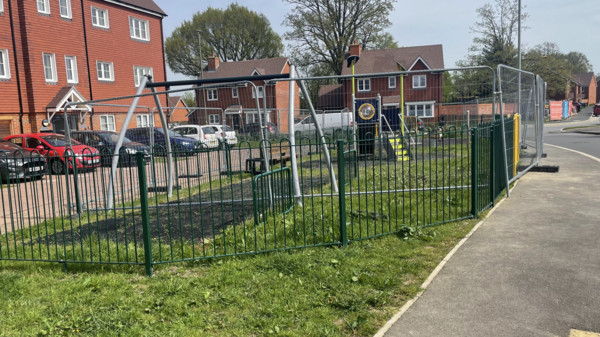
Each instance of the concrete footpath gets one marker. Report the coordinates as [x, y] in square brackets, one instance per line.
[533, 267]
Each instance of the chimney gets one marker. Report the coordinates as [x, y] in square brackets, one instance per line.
[355, 49]
[213, 63]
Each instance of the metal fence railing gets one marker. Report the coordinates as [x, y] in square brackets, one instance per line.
[225, 202]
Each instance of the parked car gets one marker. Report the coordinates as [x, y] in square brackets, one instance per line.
[142, 135]
[597, 110]
[203, 134]
[332, 123]
[19, 163]
[254, 128]
[106, 143]
[53, 146]
[224, 134]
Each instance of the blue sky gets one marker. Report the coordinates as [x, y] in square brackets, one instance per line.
[574, 25]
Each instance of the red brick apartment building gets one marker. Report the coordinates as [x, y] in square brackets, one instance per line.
[423, 93]
[588, 87]
[54, 51]
[238, 104]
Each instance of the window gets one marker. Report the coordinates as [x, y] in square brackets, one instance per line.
[139, 72]
[419, 81]
[214, 119]
[582, 89]
[212, 94]
[4, 65]
[43, 6]
[234, 92]
[261, 92]
[65, 8]
[424, 110]
[107, 123]
[364, 84]
[99, 17]
[391, 82]
[143, 121]
[252, 117]
[138, 29]
[1, 6]
[105, 71]
[50, 68]
[71, 66]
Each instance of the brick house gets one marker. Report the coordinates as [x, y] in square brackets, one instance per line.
[588, 89]
[54, 51]
[179, 115]
[236, 105]
[422, 92]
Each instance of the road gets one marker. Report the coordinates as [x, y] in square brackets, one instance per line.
[589, 144]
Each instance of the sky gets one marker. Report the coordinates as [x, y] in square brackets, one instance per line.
[573, 25]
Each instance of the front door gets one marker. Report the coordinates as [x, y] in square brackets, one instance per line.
[58, 123]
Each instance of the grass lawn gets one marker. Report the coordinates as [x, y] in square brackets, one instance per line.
[325, 291]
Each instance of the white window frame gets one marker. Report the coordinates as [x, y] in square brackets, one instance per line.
[431, 104]
[75, 75]
[97, 24]
[69, 14]
[106, 126]
[212, 94]
[390, 79]
[418, 79]
[132, 34]
[364, 83]
[46, 4]
[235, 92]
[110, 68]
[252, 117]
[5, 64]
[261, 92]
[582, 90]
[138, 72]
[54, 78]
[1, 6]
[214, 119]
[142, 121]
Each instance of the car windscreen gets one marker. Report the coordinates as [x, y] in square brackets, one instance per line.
[208, 130]
[171, 132]
[9, 147]
[113, 138]
[58, 140]
[227, 128]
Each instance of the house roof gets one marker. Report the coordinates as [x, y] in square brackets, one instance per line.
[585, 78]
[387, 60]
[173, 101]
[330, 96]
[148, 5]
[59, 97]
[246, 68]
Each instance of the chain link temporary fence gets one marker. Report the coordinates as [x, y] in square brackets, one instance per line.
[261, 194]
[522, 97]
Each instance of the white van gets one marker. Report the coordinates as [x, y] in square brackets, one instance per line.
[331, 123]
[204, 134]
[224, 133]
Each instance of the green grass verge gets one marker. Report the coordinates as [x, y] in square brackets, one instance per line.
[323, 291]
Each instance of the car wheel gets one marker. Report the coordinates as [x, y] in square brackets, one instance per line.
[57, 167]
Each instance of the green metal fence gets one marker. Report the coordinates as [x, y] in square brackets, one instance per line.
[224, 201]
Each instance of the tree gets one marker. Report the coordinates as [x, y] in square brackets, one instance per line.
[496, 31]
[233, 34]
[189, 99]
[383, 41]
[321, 31]
[578, 63]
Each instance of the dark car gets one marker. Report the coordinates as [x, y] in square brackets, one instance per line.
[254, 128]
[106, 143]
[178, 142]
[18, 163]
[597, 110]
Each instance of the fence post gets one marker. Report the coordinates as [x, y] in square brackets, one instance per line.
[474, 159]
[342, 192]
[492, 163]
[145, 213]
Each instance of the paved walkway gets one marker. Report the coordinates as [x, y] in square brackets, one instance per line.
[532, 269]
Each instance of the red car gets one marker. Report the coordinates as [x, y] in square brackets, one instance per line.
[54, 145]
[597, 110]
